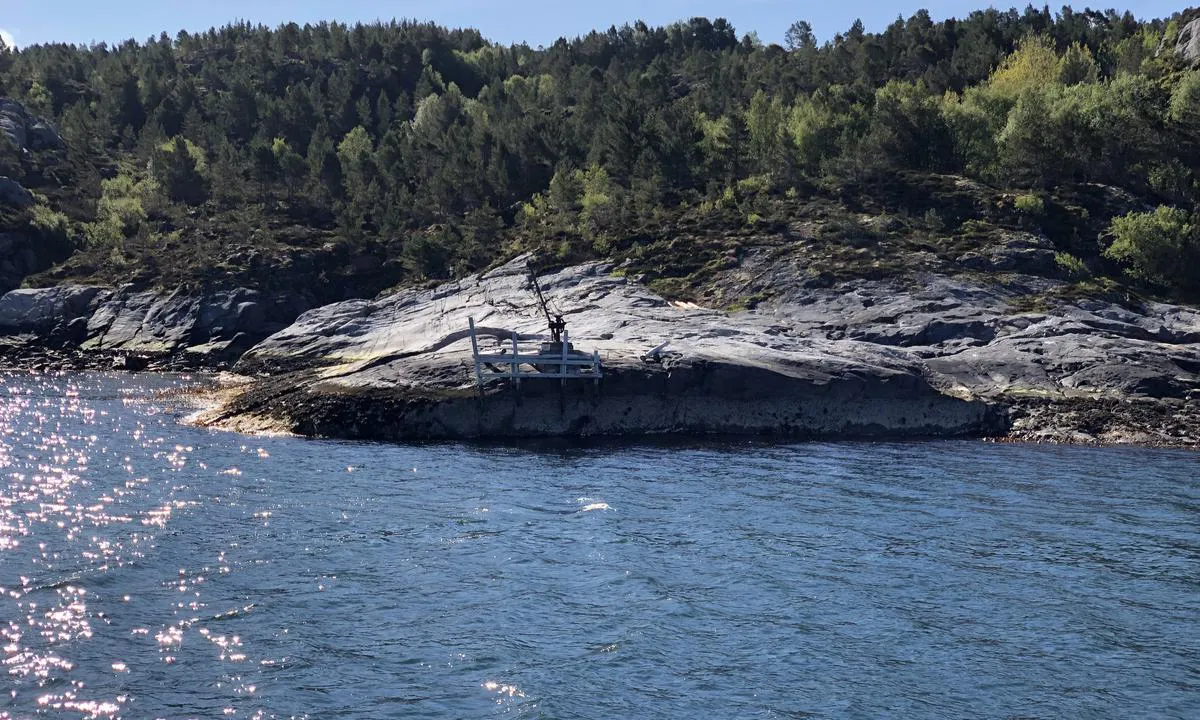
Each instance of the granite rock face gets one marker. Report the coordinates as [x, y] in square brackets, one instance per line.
[939, 357]
[972, 336]
[13, 194]
[217, 326]
[933, 356]
[26, 131]
[401, 368]
[1020, 252]
[19, 257]
[204, 329]
[42, 312]
[1187, 45]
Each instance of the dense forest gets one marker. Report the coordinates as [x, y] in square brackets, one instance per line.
[399, 152]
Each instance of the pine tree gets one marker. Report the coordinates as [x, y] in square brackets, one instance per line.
[292, 167]
[177, 167]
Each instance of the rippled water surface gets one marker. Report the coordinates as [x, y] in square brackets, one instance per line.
[149, 569]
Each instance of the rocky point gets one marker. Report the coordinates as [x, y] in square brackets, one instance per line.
[931, 356]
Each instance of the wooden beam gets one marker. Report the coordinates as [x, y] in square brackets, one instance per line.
[570, 366]
[475, 352]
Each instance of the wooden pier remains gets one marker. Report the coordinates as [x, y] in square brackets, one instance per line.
[551, 361]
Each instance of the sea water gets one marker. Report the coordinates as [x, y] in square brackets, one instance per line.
[151, 569]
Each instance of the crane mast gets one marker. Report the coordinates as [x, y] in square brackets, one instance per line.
[557, 325]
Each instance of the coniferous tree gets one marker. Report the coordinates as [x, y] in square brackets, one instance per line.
[178, 167]
[292, 168]
[406, 129]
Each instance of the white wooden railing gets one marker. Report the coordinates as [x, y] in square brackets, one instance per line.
[562, 365]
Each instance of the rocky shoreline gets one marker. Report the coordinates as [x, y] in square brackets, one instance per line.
[1146, 422]
[73, 327]
[939, 357]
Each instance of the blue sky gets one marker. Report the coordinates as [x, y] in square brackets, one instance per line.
[538, 22]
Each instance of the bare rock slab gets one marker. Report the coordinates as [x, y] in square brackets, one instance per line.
[401, 368]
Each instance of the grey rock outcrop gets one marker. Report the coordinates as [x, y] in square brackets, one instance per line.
[933, 356]
[400, 368]
[25, 253]
[203, 325]
[26, 131]
[13, 194]
[937, 357]
[1020, 252]
[971, 335]
[1187, 45]
[205, 329]
[18, 258]
[41, 312]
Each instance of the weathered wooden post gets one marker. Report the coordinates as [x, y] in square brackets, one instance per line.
[562, 368]
[475, 356]
[516, 361]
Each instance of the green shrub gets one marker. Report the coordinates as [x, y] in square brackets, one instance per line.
[598, 201]
[1030, 205]
[933, 220]
[972, 226]
[755, 184]
[49, 222]
[528, 211]
[104, 233]
[1070, 265]
[120, 212]
[426, 256]
[194, 151]
[126, 210]
[1159, 247]
[55, 229]
[563, 250]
